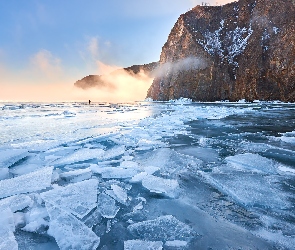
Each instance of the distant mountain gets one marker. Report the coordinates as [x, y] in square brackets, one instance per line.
[242, 50]
[100, 80]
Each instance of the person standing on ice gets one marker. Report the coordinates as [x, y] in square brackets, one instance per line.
[89, 102]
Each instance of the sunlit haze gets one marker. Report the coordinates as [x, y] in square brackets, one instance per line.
[46, 46]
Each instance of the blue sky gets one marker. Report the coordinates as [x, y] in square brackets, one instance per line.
[50, 41]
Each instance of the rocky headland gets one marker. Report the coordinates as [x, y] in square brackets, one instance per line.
[241, 50]
[100, 81]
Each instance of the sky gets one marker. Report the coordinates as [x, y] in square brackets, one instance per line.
[45, 46]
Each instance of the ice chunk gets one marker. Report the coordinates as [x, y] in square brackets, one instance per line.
[10, 156]
[107, 206]
[81, 155]
[176, 243]
[27, 183]
[76, 175]
[4, 173]
[138, 178]
[251, 162]
[114, 173]
[69, 232]
[93, 219]
[138, 207]
[163, 228]
[129, 164]
[7, 239]
[143, 245]
[79, 198]
[19, 219]
[17, 202]
[288, 137]
[35, 220]
[118, 193]
[114, 152]
[250, 189]
[160, 185]
[151, 169]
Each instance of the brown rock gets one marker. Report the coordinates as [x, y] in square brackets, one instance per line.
[242, 50]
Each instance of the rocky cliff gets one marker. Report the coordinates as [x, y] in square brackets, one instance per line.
[100, 81]
[242, 50]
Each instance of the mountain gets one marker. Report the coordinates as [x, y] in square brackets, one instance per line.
[241, 50]
[102, 81]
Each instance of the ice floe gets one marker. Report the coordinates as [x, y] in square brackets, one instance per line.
[160, 185]
[118, 193]
[81, 155]
[69, 232]
[250, 189]
[252, 162]
[106, 206]
[17, 202]
[79, 198]
[165, 228]
[76, 175]
[143, 245]
[7, 228]
[10, 156]
[35, 181]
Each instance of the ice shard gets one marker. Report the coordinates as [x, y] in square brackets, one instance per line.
[27, 183]
[69, 232]
[78, 198]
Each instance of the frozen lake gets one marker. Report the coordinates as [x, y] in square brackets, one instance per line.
[147, 175]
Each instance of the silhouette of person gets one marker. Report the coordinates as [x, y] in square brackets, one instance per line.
[89, 102]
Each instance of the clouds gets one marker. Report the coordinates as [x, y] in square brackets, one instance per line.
[93, 47]
[46, 64]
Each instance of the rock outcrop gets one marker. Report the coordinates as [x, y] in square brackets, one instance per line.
[242, 50]
[100, 81]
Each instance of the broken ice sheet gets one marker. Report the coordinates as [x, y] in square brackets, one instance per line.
[251, 162]
[81, 155]
[17, 202]
[143, 245]
[160, 185]
[176, 243]
[118, 193]
[114, 152]
[250, 189]
[7, 228]
[114, 172]
[106, 206]
[79, 198]
[4, 173]
[76, 175]
[10, 156]
[27, 183]
[35, 220]
[69, 232]
[163, 228]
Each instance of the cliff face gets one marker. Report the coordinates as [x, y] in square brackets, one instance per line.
[100, 81]
[242, 50]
